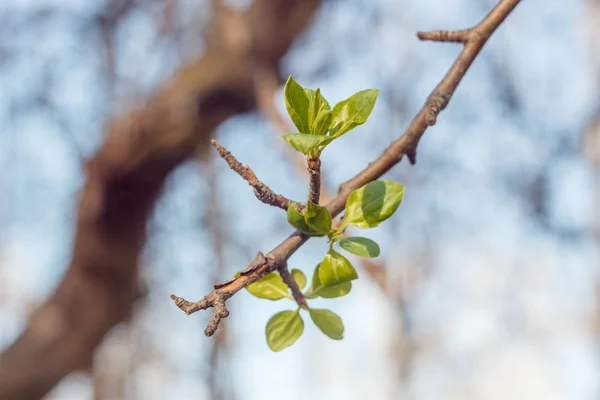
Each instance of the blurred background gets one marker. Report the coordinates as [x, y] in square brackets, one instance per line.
[487, 283]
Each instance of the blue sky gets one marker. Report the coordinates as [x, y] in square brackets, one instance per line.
[499, 301]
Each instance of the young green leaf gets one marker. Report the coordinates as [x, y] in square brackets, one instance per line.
[321, 124]
[297, 104]
[305, 142]
[336, 269]
[270, 287]
[354, 111]
[316, 99]
[328, 322]
[317, 290]
[299, 277]
[319, 114]
[373, 203]
[283, 329]
[317, 223]
[317, 218]
[360, 246]
[296, 219]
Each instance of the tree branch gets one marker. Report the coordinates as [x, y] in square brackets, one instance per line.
[476, 37]
[262, 192]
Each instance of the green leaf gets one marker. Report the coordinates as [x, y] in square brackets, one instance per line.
[328, 322]
[316, 99]
[297, 104]
[283, 329]
[354, 111]
[297, 220]
[317, 290]
[317, 218]
[317, 223]
[299, 277]
[360, 246]
[373, 203]
[321, 124]
[270, 287]
[305, 142]
[336, 269]
[319, 114]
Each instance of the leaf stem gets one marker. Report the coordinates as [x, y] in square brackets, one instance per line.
[331, 243]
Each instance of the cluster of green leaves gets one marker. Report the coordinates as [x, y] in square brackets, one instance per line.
[318, 124]
[366, 207]
[285, 327]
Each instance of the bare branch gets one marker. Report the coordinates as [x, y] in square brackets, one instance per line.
[392, 155]
[262, 192]
[258, 268]
[216, 300]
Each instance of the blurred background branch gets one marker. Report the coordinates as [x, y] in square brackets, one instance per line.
[123, 181]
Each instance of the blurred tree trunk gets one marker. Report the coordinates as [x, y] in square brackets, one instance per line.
[124, 179]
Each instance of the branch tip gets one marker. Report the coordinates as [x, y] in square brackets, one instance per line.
[220, 312]
[412, 155]
[445, 36]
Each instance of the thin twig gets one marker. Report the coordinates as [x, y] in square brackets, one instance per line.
[392, 155]
[261, 191]
[289, 280]
[314, 171]
[258, 268]
[445, 36]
